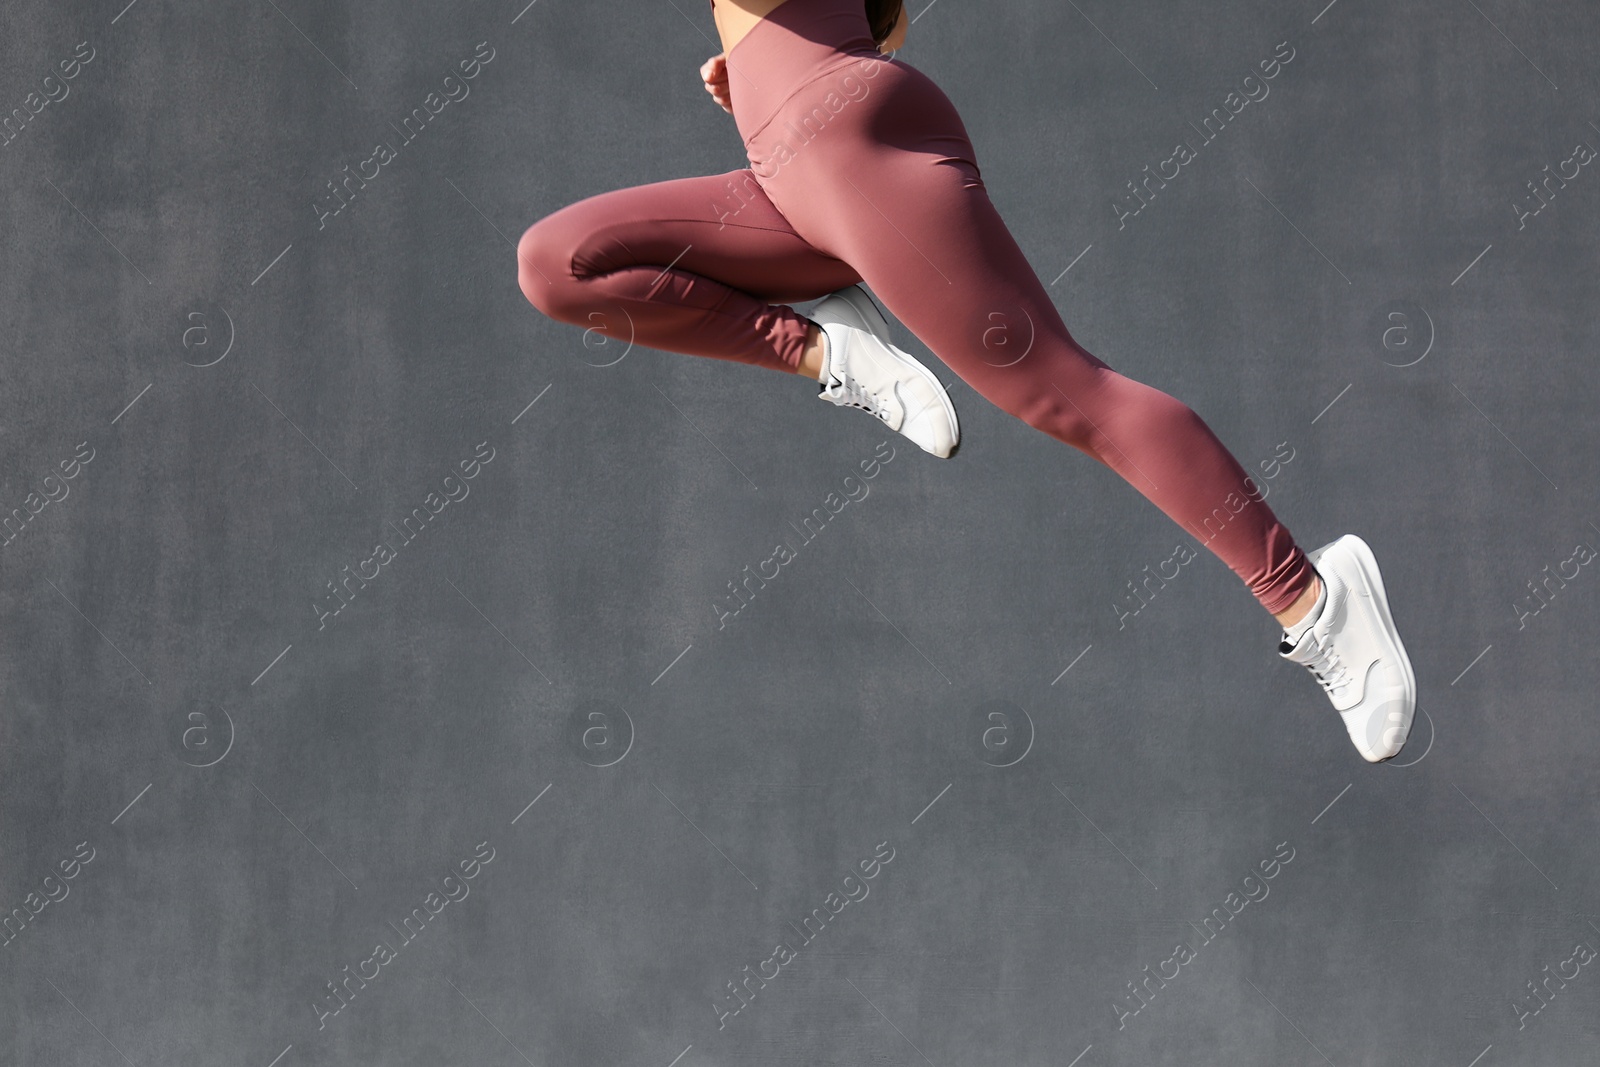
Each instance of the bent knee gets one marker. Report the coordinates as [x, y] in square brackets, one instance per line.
[1053, 412]
[1104, 408]
[544, 269]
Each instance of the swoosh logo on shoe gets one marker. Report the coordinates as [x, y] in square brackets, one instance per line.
[900, 408]
[1362, 682]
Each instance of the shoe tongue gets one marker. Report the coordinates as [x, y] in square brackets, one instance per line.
[1296, 646]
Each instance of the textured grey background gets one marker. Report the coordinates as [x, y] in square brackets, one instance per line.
[161, 615]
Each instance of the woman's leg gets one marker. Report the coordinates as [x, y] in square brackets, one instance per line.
[979, 306]
[695, 265]
[914, 218]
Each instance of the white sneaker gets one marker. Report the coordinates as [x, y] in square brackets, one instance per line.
[862, 369]
[1355, 653]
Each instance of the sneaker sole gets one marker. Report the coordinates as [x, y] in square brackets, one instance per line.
[938, 390]
[1369, 563]
[1372, 578]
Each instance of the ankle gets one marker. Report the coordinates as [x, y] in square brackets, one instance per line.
[813, 359]
[1297, 612]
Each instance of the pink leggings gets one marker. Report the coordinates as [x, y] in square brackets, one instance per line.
[861, 170]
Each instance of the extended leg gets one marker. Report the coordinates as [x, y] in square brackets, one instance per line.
[926, 238]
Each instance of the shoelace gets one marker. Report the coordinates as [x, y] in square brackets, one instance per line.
[1326, 666]
[847, 392]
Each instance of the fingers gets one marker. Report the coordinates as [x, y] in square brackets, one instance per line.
[719, 93]
[714, 73]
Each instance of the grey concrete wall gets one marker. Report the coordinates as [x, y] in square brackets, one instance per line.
[214, 801]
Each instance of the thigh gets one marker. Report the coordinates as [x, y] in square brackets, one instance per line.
[720, 227]
[926, 238]
[887, 180]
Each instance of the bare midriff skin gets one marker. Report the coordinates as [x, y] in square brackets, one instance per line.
[735, 19]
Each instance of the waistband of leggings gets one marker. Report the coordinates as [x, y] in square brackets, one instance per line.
[866, 67]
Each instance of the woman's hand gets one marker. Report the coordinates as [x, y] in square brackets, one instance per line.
[714, 72]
